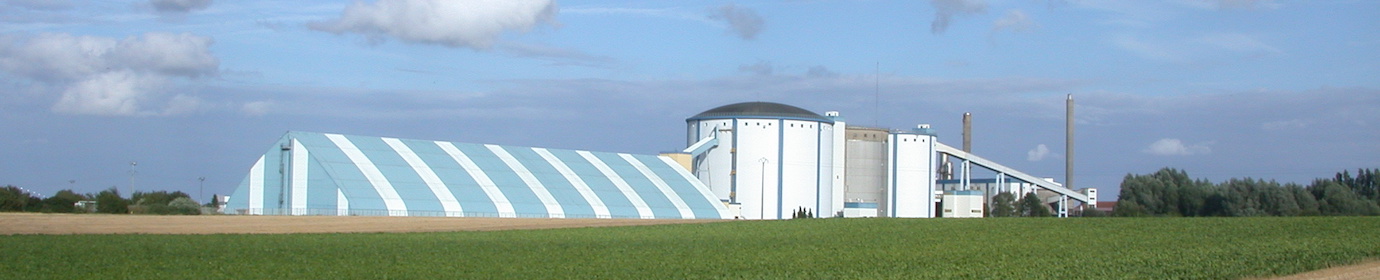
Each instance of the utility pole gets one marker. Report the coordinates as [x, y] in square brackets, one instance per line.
[201, 186]
[131, 178]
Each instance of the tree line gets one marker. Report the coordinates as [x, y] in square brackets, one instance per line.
[1005, 205]
[1171, 193]
[15, 199]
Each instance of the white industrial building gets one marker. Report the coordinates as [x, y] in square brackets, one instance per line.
[752, 160]
[764, 160]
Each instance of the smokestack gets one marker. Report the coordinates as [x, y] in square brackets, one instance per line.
[1068, 144]
[968, 133]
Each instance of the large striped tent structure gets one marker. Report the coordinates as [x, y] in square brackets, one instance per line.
[309, 173]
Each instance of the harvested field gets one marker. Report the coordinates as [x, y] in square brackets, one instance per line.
[28, 223]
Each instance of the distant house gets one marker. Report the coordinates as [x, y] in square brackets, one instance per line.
[1106, 206]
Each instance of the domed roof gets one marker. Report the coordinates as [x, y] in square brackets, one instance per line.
[759, 109]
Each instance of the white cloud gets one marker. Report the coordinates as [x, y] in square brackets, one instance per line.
[743, 21]
[945, 10]
[106, 76]
[111, 93]
[1040, 152]
[179, 6]
[1175, 147]
[474, 24]
[1015, 21]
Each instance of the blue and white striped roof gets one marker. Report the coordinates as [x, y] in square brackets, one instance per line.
[308, 173]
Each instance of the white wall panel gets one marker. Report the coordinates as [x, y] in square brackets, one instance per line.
[800, 172]
[911, 185]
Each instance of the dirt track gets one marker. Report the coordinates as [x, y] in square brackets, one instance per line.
[1366, 270]
[147, 224]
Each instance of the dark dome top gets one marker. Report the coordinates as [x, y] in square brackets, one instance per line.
[759, 109]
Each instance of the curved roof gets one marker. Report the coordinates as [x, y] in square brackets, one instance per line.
[333, 174]
[759, 109]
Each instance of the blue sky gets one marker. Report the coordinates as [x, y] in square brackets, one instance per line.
[1282, 90]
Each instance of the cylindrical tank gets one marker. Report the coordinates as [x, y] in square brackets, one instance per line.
[866, 170]
[771, 159]
[910, 173]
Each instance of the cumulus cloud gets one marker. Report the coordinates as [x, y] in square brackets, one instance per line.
[108, 76]
[1175, 147]
[474, 24]
[743, 21]
[1015, 21]
[1040, 152]
[179, 6]
[946, 10]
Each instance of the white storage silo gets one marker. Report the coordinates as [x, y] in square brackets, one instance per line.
[910, 178]
[766, 160]
[865, 162]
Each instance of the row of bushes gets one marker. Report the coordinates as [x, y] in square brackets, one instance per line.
[1170, 192]
[15, 199]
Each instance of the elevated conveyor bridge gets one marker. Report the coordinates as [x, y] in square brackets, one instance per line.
[1013, 173]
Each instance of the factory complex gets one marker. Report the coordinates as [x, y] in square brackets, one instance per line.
[751, 160]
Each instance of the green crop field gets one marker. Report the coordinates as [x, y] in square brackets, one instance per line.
[1011, 248]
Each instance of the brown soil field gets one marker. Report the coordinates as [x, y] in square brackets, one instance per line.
[28, 223]
[1366, 270]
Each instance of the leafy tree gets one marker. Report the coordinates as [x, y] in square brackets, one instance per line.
[109, 201]
[1129, 208]
[1278, 201]
[1308, 204]
[1170, 192]
[12, 199]
[184, 206]
[1338, 200]
[1003, 205]
[1167, 192]
[62, 202]
[157, 202]
[157, 197]
[1031, 206]
[1365, 184]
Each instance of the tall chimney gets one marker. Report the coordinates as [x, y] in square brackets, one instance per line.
[968, 133]
[1068, 144]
